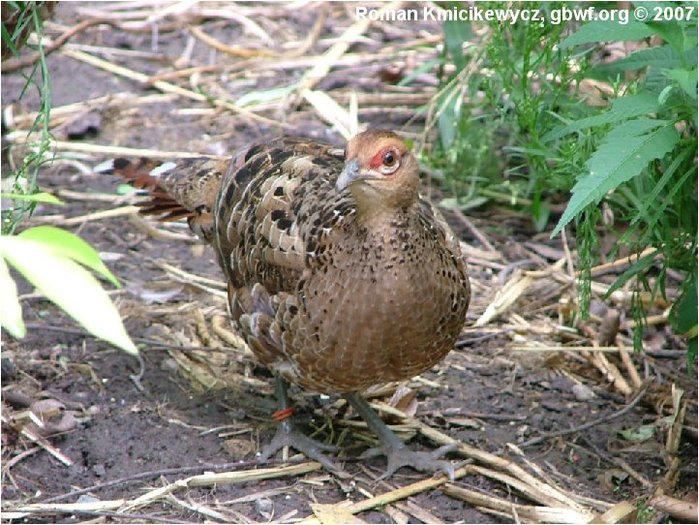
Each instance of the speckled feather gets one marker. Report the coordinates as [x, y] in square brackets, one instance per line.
[327, 299]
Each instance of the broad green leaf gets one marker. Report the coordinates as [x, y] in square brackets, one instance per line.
[10, 309]
[69, 286]
[664, 95]
[607, 31]
[456, 33]
[448, 117]
[623, 108]
[674, 33]
[634, 128]
[67, 244]
[33, 197]
[664, 57]
[619, 158]
[655, 79]
[687, 80]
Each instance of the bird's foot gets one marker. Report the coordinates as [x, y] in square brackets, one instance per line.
[396, 452]
[288, 436]
[405, 457]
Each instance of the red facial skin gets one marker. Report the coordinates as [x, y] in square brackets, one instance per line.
[377, 160]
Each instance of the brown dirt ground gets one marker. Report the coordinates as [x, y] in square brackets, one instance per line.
[485, 394]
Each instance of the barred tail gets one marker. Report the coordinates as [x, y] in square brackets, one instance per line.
[177, 190]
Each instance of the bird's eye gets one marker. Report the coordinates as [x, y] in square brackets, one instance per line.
[389, 162]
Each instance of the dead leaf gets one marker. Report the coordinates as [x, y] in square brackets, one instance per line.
[610, 479]
[46, 409]
[466, 422]
[333, 514]
[404, 399]
[582, 392]
[239, 448]
[609, 328]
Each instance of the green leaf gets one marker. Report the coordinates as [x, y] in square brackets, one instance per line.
[7, 39]
[623, 108]
[448, 117]
[692, 353]
[634, 128]
[665, 94]
[66, 244]
[456, 33]
[642, 433]
[684, 311]
[69, 286]
[453, 203]
[540, 216]
[126, 189]
[10, 309]
[651, 199]
[638, 267]
[620, 157]
[674, 33]
[262, 96]
[606, 31]
[33, 197]
[661, 56]
[419, 70]
[686, 79]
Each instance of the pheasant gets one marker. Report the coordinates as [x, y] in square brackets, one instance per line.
[340, 276]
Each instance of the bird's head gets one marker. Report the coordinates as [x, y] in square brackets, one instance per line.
[380, 171]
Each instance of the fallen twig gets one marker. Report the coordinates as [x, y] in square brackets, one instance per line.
[14, 64]
[166, 86]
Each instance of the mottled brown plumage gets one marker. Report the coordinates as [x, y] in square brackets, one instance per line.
[340, 275]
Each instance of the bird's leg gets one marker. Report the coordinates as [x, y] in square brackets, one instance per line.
[288, 436]
[397, 453]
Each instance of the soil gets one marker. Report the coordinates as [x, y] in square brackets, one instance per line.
[132, 426]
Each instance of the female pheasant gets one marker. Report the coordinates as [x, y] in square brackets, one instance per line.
[339, 275]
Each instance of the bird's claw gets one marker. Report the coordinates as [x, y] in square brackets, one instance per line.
[288, 436]
[422, 461]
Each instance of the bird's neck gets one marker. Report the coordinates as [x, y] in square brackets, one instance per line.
[379, 218]
[375, 210]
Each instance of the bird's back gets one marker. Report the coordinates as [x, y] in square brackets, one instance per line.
[269, 207]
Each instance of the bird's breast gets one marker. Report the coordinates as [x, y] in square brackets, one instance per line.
[383, 309]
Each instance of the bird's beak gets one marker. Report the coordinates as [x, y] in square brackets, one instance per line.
[348, 175]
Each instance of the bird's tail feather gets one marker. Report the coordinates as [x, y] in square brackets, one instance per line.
[176, 190]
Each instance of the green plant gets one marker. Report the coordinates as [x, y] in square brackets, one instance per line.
[645, 163]
[506, 92]
[21, 19]
[644, 512]
[520, 89]
[49, 258]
